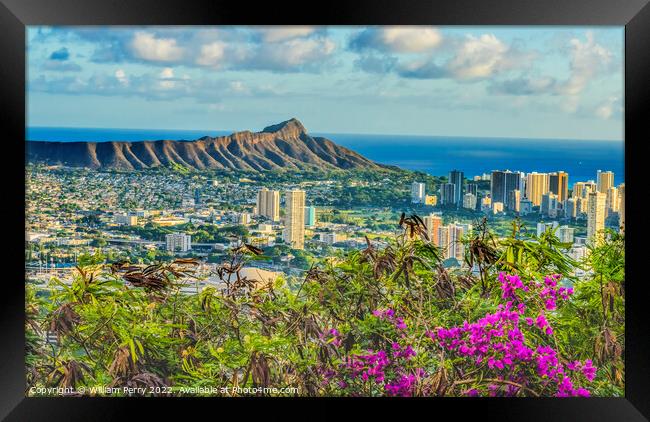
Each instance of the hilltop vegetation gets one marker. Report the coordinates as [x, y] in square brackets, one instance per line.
[370, 323]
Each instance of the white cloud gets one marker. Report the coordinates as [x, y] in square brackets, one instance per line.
[607, 109]
[146, 46]
[238, 86]
[292, 55]
[163, 85]
[283, 33]
[410, 39]
[165, 75]
[211, 54]
[299, 51]
[473, 58]
[397, 39]
[479, 57]
[120, 75]
[588, 59]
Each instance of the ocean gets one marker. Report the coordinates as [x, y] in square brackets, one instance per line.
[435, 155]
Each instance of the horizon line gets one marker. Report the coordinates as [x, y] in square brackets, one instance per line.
[317, 133]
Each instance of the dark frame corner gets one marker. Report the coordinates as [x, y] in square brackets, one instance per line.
[633, 14]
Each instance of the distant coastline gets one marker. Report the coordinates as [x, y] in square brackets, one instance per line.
[434, 154]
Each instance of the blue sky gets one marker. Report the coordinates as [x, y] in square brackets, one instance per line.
[535, 82]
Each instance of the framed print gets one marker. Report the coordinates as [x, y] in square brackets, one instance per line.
[391, 207]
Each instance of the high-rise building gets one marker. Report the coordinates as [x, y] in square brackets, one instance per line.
[472, 188]
[456, 245]
[502, 183]
[469, 201]
[447, 192]
[514, 200]
[565, 234]
[596, 216]
[330, 238]
[310, 216]
[522, 184]
[178, 242]
[612, 200]
[433, 222]
[417, 193]
[571, 208]
[543, 227]
[536, 186]
[559, 185]
[582, 205]
[456, 178]
[244, 218]
[450, 240]
[268, 204]
[525, 207]
[577, 190]
[621, 206]
[549, 205]
[498, 186]
[443, 240]
[582, 189]
[197, 196]
[294, 232]
[605, 180]
[486, 204]
[125, 219]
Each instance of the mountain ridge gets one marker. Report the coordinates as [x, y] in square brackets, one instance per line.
[285, 145]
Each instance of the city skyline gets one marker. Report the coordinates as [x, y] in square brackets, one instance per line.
[489, 81]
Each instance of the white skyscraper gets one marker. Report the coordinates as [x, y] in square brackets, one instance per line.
[595, 215]
[450, 238]
[417, 193]
[469, 201]
[178, 242]
[543, 227]
[565, 234]
[268, 204]
[294, 232]
[456, 232]
[549, 204]
[621, 206]
[571, 208]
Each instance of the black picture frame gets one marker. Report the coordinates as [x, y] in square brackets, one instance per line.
[15, 15]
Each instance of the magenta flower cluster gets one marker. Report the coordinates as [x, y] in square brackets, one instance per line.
[389, 315]
[406, 352]
[385, 368]
[550, 292]
[382, 368]
[333, 336]
[497, 342]
[509, 285]
[404, 385]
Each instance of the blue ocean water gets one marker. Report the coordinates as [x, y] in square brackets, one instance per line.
[435, 155]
